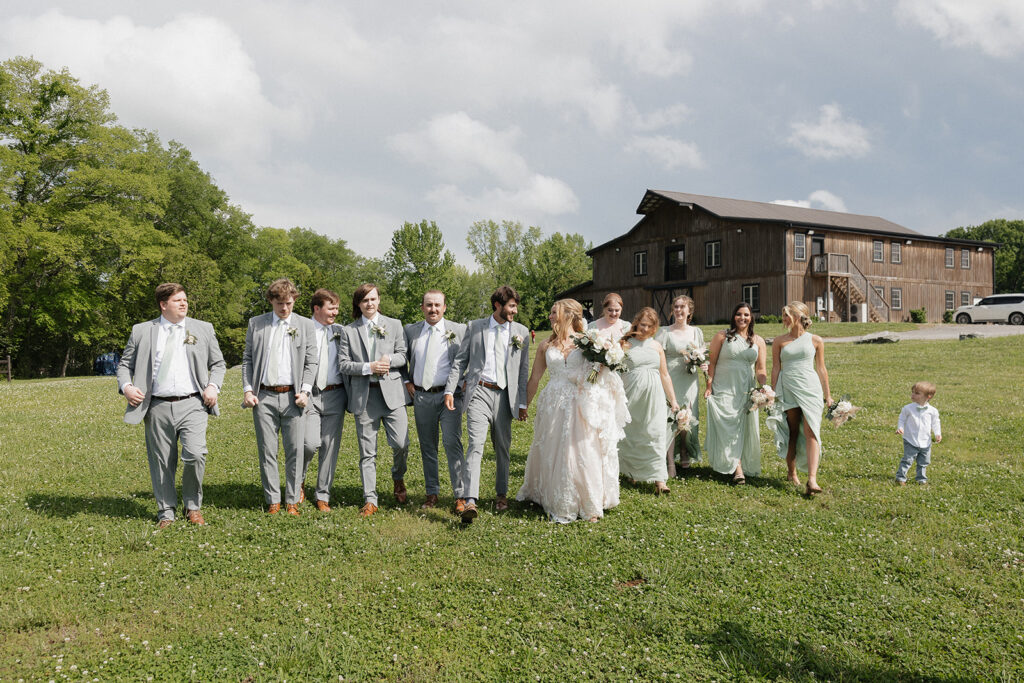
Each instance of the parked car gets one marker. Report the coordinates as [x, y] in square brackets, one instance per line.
[997, 308]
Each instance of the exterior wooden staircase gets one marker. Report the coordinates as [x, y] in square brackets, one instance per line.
[849, 288]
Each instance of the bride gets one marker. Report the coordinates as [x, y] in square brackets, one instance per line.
[572, 470]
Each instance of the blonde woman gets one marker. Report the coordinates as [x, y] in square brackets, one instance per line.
[801, 386]
[675, 339]
[648, 390]
[572, 470]
[610, 323]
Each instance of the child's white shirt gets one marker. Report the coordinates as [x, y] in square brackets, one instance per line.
[919, 423]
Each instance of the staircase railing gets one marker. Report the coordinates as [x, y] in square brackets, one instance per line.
[870, 293]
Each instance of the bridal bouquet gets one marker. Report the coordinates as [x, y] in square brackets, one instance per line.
[840, 411]
[601, 351]
[683, 420]
[761, 397]
[696, 357]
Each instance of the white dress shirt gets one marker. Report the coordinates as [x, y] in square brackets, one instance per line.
[439, 350]
[489, 373]
[919, 423]
[178, 380]
[284, 359]
[369, 337]
[333, 372]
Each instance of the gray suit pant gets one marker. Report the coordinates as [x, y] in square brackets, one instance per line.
[325, 417]
[167, 423]
[430, 413]
[396, 428]
[488, 408]
[278, 413]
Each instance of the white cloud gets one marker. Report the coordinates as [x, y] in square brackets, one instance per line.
[996, 27]
[667, 152]
[190, 78]
[657, 119]
[819, 199]
[831, 136]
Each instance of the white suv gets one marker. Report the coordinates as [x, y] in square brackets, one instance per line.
[996, 308]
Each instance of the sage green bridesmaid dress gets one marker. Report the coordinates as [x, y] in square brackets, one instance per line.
[798, 387]
[732, 436]
[642, 450]
[685, 384]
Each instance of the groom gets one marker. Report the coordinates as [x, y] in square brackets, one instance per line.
[494, 362]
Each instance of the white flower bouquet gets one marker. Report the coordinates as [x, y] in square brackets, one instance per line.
[683, 419]
[761, 397]
[696, 357]
[601, 351]
[840, 411]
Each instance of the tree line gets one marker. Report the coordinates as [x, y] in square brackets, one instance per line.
[94, 215]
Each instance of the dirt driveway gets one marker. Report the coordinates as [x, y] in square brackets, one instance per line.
[944, 331]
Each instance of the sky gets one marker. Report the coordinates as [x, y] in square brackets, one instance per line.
[351, 118]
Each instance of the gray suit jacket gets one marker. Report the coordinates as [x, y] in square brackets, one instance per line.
[469, 363]
[412, 335]
[257, 342]
[205, 362]
[352, 354]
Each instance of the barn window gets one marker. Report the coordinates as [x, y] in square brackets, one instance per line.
[965, 259]
[799, 246]
[640, 263]
[896, 298]
[949, 258]
[876, 251]
[752, 296]
[965, 298]
[675, 263]
[950, 300]
[895, 252]
[713, 254]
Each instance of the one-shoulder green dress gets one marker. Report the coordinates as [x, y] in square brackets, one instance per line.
[798, 387]
[732, 437]
[642, 450]
[685, 384]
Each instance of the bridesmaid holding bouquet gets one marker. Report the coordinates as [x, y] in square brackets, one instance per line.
[738, 358]
[801, 388]
[678, 339]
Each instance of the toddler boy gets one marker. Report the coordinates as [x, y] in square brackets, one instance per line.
[918, 421]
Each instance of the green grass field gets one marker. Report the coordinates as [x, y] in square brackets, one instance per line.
[865, 582]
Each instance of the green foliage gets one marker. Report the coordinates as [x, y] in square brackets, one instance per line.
[918, 315]
[1009, 257]
[417, 261]
[947, 317]
[769, 318]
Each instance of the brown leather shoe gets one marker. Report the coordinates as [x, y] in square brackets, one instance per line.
[430, 502]
[195, 517]
[460, 505]
[292, 509]
[322, 506]
[273, 508]
[164, 523]
[502, 504]
[400, 493]
[302, 494]
[367, 510]
[469, 513]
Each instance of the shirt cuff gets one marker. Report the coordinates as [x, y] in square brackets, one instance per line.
[306, 388]
[215, 387]
[247, 387]
[522, 406]
[366, 369]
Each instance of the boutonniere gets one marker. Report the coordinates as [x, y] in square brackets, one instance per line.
[450, 336]
[336, 336]
[292, 331]
[189, 337]
[378, 330]
[517, 341]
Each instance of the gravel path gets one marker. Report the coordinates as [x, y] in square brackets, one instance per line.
[944, 331]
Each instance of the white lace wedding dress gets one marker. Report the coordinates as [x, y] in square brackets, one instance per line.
[572, 470]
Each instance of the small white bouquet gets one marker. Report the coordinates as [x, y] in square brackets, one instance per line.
[761, 397]
[840, 411]
[696, 357]
[683, 419]
[601, 351]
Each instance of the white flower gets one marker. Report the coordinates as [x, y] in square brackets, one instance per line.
[615, 354]
[606, 343]
[844, 407]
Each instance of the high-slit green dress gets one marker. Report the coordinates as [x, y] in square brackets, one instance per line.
[798, 387]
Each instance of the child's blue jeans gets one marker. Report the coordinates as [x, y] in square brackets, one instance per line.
[923, 456]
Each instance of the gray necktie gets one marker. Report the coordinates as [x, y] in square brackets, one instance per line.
[499, 358]
[170, 346]
[275, 353]
[321, 372]
[429, 360]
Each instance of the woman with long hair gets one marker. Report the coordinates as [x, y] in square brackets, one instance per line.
[737, 362]
[572, 470]
[676, 339]
[801, 388]
[648, 391]
[610, 324]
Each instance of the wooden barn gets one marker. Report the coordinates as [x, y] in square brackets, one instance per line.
[844, 266]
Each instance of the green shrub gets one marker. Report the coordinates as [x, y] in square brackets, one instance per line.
[918, 315]
[769, 318]
[947, 317]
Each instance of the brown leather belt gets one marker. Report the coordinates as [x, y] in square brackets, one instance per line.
[432, 390]
[172, 399]
[490, 385]
[277, 389]
[331, 387]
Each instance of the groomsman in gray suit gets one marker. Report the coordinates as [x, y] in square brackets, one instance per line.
[325, 412]
[494, 362]
[433, 344]
[278, 370]
[372, 354]
[170, 373]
